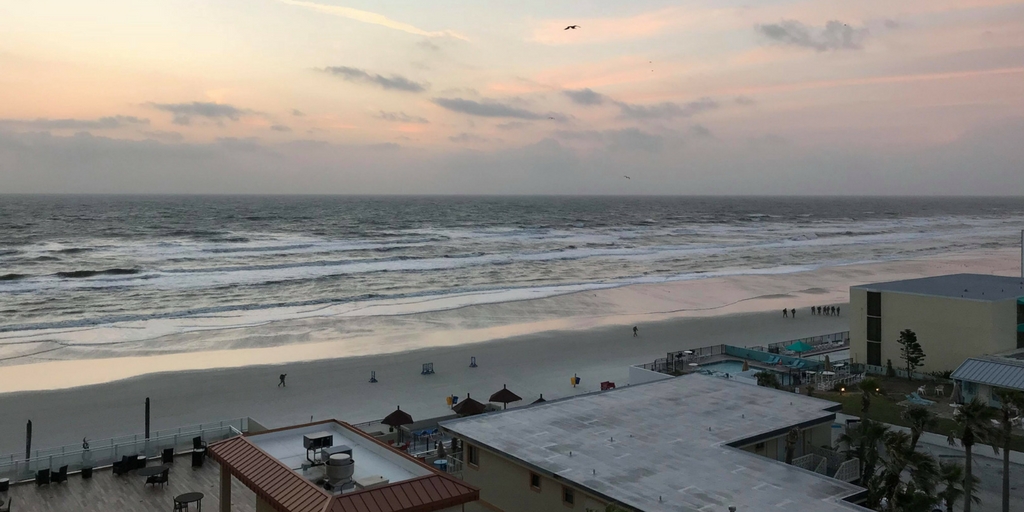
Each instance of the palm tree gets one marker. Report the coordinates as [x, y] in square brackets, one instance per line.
[901, 457]
[973, 425]
[1012, 405]
[867, 388]
[920, 420]
[862, 442]
[768, 380]
[952, 477]
[791, 438]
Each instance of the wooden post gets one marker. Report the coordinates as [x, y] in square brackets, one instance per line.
[28, 440]
[147, 417]
[225, 489]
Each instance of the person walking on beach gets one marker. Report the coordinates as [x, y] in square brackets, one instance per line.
[785, 313]
[837, 310]
[792, 312]
[819, 310]
[635, 335]
[812, 310]
[281, 383]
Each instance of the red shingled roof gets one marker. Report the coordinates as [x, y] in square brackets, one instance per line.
[288, 491]
[269, 478]
[423, 494]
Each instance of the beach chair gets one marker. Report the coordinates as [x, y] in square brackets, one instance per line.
[773, 360]
[940, 390]
[43, 477]
[61, 475]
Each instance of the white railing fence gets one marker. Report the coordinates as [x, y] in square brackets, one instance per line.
[848, 471]
[105, 451]
[848, 381]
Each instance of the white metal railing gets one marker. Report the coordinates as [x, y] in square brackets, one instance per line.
[848, 471]
[848, 381]
[455, 465]
[822, 467]
[104, 452]
[808, 462]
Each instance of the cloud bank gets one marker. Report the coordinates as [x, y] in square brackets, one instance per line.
[835, 36]
[393, 82]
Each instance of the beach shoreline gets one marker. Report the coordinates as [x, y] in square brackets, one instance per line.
[391, 332]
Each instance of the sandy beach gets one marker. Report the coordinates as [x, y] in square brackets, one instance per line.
[533, 346]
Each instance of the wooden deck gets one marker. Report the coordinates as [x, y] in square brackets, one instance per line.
[109, 493]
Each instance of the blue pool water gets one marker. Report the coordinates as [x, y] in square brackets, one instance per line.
[730, 367]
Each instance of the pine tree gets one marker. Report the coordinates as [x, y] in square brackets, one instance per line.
[910, 351]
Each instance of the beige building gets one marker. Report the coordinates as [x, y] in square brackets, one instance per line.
[954, 316]
[688, 443]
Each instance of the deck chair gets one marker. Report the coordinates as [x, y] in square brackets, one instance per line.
[43, 477]
[61, 475]
[198, 443]
[7, 506]
[123, 466]
[161, 479]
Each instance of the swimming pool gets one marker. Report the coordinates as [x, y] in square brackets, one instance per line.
[729, 366]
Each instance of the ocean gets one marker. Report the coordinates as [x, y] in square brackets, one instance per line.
[80, 262]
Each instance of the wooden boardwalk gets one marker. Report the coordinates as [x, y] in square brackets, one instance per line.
[109, 493]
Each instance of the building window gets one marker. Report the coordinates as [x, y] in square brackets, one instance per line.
[874, 304]
[568, 496]
[874, 353]
[473, 455]
[535, 481]
[874, 329]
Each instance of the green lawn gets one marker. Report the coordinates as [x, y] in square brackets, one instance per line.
[885, 410]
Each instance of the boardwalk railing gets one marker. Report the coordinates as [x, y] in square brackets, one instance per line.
[104, 452]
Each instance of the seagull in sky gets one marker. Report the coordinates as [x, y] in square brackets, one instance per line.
[574, 27]
[627, 177]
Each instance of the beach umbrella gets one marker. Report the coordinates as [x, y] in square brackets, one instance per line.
[504, 397]
[956, 396]
[539, 400]
[397, 419]
[746, 367]
[799, 347]
[469, 407]
[828, 364]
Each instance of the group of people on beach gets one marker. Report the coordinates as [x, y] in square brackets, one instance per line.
[815, 310]
[825, 310]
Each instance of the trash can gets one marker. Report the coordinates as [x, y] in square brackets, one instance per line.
[5, 484]
[198, 455]
[86, 472]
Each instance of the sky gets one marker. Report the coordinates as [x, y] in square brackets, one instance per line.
[873, 97]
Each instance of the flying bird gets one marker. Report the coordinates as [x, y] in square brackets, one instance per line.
[549, 117]
[574, 27]
[627, 177]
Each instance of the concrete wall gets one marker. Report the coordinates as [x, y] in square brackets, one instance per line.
[775, 448]
[505, 485]
[640, 376]
[950, 330]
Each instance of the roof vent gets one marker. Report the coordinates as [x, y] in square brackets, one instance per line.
[339, 469]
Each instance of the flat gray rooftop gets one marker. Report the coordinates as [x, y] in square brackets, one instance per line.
[669, 440]
[370, 458]
[966, 286]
